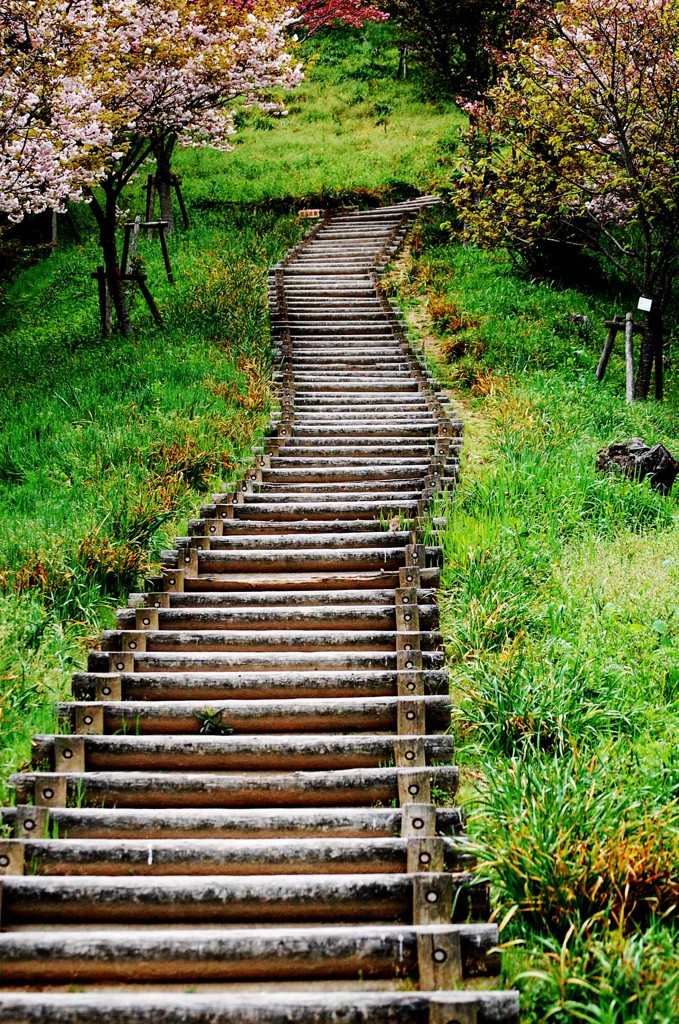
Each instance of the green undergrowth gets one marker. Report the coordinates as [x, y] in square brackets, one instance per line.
[560, 613]
[106, 446]
[353, 133]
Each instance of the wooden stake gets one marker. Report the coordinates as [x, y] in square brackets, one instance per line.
[150, 188]
[155, 312]
[180, 200]
[629, 357]
[126, 248]
[162, 229]
[613, 327]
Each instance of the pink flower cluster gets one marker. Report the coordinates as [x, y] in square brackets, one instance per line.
[85, 82]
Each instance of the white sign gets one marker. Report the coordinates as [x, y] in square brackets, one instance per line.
[645, 304]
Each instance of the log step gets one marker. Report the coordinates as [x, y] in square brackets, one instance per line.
[270, 640]
[341, 788]
[269, 1006]
[342, 617]
[218, 954]
[293, 714]
[251, 583]
[235, 899]
[179, 824]
[238, 752]
[204, 687]
[127, 857]
[247, 661]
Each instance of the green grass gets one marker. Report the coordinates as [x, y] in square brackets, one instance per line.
[332, 144]
[560, 611]
[107, 446]
[560, 602]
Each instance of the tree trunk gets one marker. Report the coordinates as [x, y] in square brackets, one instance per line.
[163, 154]
[106, 222]
[651, 344]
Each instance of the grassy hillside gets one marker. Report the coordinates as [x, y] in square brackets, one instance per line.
[561, 621]
[106, 445]
[561, 588]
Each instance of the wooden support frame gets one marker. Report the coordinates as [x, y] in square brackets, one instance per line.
[629, 328]
[150, 187]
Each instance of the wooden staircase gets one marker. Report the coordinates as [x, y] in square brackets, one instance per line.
[249, 815]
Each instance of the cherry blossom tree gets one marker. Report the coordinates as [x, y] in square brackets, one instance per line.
[52, 128]
[166, 73]
[315, 14]
[247, 57]
[579, 145]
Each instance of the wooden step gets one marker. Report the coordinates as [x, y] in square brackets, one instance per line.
[249, 661]
[187, 822]
[238, 752]
[205, 687]
[265, 640]
[293, 714]
[263, 617]
[235, 899]
[268, 1006]
[349, 787]
[188, 857]
[221, 954]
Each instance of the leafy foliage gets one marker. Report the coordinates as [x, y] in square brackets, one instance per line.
[462, 42]
[579, 146]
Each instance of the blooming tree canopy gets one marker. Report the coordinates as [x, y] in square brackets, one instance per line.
[89, 89]
[52, 128]
[315, 14]
[579, 144]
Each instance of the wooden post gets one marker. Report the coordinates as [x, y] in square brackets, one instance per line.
[155, 312]
[180, 199]
[150, 188]
[629, 357]
[135, 237]
[162, 229]
[130, 244]
[126, 248]
[614, 326]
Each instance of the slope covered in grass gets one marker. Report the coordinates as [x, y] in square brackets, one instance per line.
[560, 612]
[561, 588]
[106, 445]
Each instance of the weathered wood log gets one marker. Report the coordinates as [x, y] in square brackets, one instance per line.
[29, 822]
[215, 954]
[235, 899]
[267, 1007]
[255, 856]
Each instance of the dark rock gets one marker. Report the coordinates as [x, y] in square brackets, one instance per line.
[660, 466]
[636, 460]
